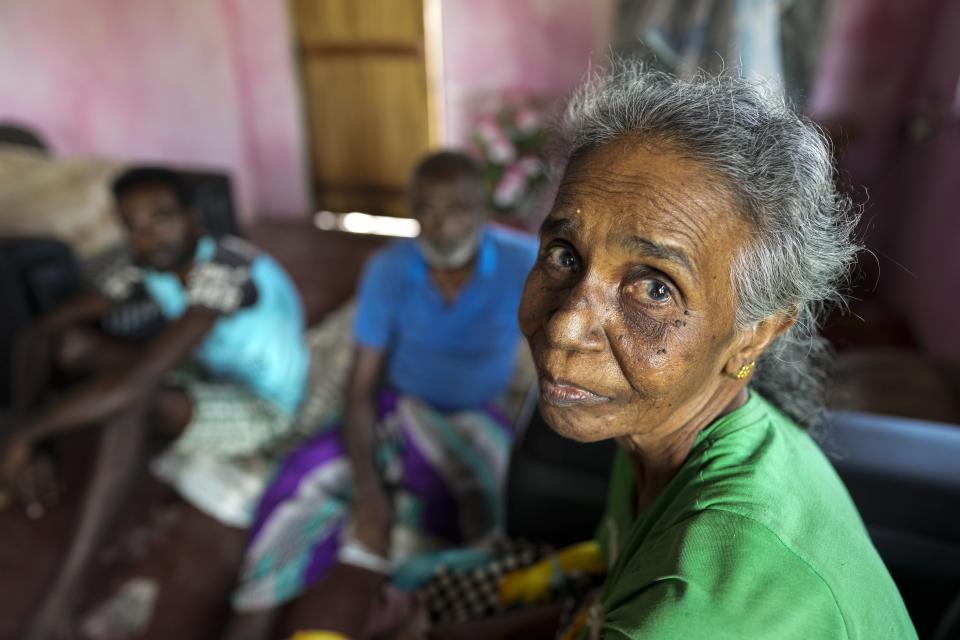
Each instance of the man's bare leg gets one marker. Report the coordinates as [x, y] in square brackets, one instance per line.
[117, 464]
[344, 601]
[256, 625]
[79, 351]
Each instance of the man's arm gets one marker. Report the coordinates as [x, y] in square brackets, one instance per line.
[82, 308]
[109, 393]
[32, 359]
[373, 517]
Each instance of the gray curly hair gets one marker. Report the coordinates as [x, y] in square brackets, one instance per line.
[779, 165]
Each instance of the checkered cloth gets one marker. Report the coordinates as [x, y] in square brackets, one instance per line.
[462, 595]
[456, 596]
[227, 418]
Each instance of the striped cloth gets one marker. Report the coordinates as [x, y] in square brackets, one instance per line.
[444, 472]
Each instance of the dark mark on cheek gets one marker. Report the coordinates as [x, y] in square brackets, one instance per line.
[647, 327]
[661, 352]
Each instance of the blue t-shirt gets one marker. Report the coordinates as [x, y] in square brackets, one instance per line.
[258, 340]
[454, 355]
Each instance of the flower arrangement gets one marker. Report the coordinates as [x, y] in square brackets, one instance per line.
[511, 145]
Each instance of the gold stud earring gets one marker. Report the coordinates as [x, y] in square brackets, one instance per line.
[745, 370]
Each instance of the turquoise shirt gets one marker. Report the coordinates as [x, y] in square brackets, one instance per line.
[755, 537]
[258, 340]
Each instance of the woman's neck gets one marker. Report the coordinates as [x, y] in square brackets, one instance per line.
[657, 457]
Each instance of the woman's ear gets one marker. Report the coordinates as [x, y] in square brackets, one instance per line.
[756, 340]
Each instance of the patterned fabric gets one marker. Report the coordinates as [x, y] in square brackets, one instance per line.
[226, 419]
[219, 279]
[222, 286]
[235, 440]
[470, 594]
[331, 356]
[221, 462]
[444, 472]
[460, 595]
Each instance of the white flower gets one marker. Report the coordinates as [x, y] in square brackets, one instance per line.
[526, 119]
[511, 186]
[488, 131]
[501, 151]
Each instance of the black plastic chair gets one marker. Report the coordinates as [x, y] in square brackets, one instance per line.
[36, 275]
[904, 476]
[556, 488]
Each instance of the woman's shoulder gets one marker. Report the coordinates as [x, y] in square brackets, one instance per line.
[758, 507]
[721, 574]
[761, 465]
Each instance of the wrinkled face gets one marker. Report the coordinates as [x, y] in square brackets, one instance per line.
[162, 235]
[450, 213]
[629, 310]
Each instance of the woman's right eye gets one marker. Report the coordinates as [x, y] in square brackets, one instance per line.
[561, 258]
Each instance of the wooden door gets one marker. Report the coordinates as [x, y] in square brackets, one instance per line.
[370, 73]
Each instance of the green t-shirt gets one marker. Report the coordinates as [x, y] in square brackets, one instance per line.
[756, 537]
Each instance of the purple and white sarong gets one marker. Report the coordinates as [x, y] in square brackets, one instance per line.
[444, 471]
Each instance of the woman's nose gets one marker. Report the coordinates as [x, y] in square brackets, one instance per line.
[576, 324]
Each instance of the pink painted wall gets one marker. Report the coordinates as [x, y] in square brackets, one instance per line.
[540, 48]
[885, 63]
[213, 83]
[177, 81]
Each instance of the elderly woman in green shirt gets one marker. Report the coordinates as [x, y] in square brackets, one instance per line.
[696, 235]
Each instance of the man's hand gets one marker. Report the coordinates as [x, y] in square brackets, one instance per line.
[373, 520]
[27, 477]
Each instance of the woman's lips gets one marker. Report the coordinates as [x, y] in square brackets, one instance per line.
[560, 393]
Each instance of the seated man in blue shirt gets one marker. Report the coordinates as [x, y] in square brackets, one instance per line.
[418, 463]
[224, 370]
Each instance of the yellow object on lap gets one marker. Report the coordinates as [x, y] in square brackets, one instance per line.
[531, 585]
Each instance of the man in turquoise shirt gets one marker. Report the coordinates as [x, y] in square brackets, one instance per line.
[223, 371]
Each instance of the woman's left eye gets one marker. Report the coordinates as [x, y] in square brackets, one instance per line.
[657, 291]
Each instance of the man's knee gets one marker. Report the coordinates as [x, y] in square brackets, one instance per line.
[84, 350]
[171, 411]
